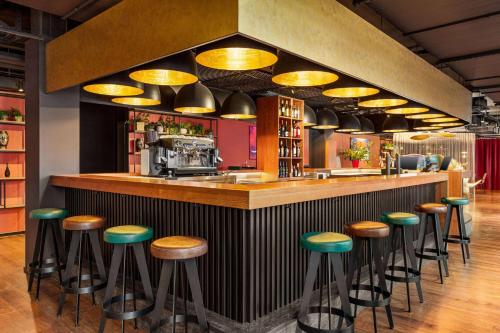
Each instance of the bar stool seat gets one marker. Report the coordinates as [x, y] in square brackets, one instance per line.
[179, 247]
[326, 242]
[455, 201]
[84, 222]
[400, 218]
[431, 208]
[48, 213]
[368, 229]
[127, 234]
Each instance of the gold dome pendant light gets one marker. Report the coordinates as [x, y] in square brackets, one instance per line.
[115, 85]
[426, 115]
[236, 53]
[441, 120]
[238, 105]
[194, 98]
[347, 87]
[150, 97]
[382, 100]
[294, 71]
[418, 125]
[176, 70]
[449, 124]
[409, 108]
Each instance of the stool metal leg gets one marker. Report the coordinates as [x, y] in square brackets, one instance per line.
[447, 225]
[96, 248]
[174, 322]
[113, 274]
[381, 281]
[124, 279]
[133, 287]
[461, 225]
[79, 281]
[413, 261]
[338, 271]
[403, 244]
[320, 281]
[56, 249]
[89, 260]
[40, 258]
[36, 254]
[395, 236]
[194, 283]
[329, 279]
[73, 248]
[143, 271]
[438, 248]
[312, 270]
[441, 243]
[161, 296]
[59, 240]
[359, 260]
[423, 228]
[372, 284]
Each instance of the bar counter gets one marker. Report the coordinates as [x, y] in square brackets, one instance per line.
[254, 266]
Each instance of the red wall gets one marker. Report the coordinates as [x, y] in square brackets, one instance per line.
[234, 144]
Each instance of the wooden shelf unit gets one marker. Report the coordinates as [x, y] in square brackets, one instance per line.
[269, 121]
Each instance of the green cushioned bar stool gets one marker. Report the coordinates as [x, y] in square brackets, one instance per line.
[456, 203]
[39, 266]
[127, 238]
[401, 224]
[327, 245]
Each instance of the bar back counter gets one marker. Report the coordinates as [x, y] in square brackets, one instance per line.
[254, 264]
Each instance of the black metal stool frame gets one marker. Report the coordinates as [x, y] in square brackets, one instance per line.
[168, 268]
[461, 239]
[118, 259]
[86, 239]
[355, 261]
[335, 260]
[52, 264]
[438, 253]
[411, 273]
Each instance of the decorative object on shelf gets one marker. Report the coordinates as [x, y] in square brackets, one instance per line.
[359, 151]
[388, 146]
[348, 87]
[194, 98]
[140, 121]
[291, 70]
[394, 124]
[382, 100]
[115, 85]
[309, 116]
[4, 139]
[238, 105]
[183, 128]
[409, 108]
[16, 115]
[367, 126]
[326, 119]
[236, 53]
[139, 144]
[426, 115]
[348, 123]
[150, 97]
[176, 70]
[4, 115]
[7, 171]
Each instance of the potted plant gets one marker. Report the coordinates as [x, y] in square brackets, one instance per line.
[356, 154]
[160, 125]
[16, 115]
[140, 121]
[184, 128]
[4, 115]
[199, 129]
[150, 126]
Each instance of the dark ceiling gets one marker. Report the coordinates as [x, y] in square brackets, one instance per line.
[461, 37]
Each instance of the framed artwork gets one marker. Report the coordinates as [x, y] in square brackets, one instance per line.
[357, 143]
[252, 142]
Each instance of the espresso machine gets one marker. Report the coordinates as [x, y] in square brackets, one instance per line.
[177, 155]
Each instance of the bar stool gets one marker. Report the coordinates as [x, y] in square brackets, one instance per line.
[40, 265]
[184, 250]
[438, 253]
[332, 244]
[84, 234]
[373, 234]
[402, 222]
[456, 203]
[127, 237]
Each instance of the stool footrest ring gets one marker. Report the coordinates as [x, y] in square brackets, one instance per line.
[423, 255]
[413, 275]
[70, 289]
[179, 318]
[386, 296]
[349, 328]
[52, 267]
[457, 239]
[110, 313]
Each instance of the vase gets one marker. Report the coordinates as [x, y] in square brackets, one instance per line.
[355, 163]
[4, 139]
[160, 129]
[139, 126]
[183, 131]
[7, 171]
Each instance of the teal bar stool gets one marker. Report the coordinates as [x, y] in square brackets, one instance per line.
[39, 266]
[127, 238]
[402, 222]
[456, 203]
[327, 245]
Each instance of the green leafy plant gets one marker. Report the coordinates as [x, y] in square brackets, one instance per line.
[198, 129]
[388, 146]
[357, 154]
[4, 114]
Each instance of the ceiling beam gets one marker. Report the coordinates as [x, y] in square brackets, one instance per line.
[470, 56]
[490, 92]
[449, 24]
[493, 86]
[20, 33]
[483, 78]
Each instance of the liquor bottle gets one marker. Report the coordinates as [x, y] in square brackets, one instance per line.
[280, 154]
[297, 130]
[280, 169]
[282, 108]
[298, 170]
[286, 130]
[294, 150]
[287, 152]
[298, 151]
[287, 107]
[279, 130]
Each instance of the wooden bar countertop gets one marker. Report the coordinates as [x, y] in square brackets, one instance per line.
[243, 196]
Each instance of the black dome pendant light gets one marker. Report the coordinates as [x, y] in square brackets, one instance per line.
[367, 126]
[348, 87]
[236, 53]
[238, 105]
[115, 85]
[349, 123]
[326, 119]
[395, 124]
[176, 70]
[309, 116]
[194, 98]
[290, 70]
[150, 97]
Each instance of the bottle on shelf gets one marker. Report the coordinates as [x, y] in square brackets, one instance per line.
[298, 170]
[286, 130]
[279, 130]
[281, 149]
[294, 149]
[298, 151]
[297, 130]
[287, 151]
[282, 108]
[287, 109]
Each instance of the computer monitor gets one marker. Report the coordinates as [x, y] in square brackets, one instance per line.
[446, 163]
[411, 161]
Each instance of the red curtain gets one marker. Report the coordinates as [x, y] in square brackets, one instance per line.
[488, 161]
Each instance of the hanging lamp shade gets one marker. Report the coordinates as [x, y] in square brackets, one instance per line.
[236, 54]
[176, 70]
[238, 105]
[419, 125]
[348, 87]
[150, 97]
[309, 116]
[349, 123]
[426, 115]
[449, 124]
[367, 126]
[326, 119]
[409, 108]
[395, 124]
[115, 85]
[194, 98]
[382, 100]
[290, 70]
[441, 120]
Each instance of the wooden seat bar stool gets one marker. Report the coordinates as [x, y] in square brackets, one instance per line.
[127, 238]
[431, 213]
[84, 243]
[402, 222]
[373, 235]
[184, 250]
[47, 217]
[456, 203]
[329, 245]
